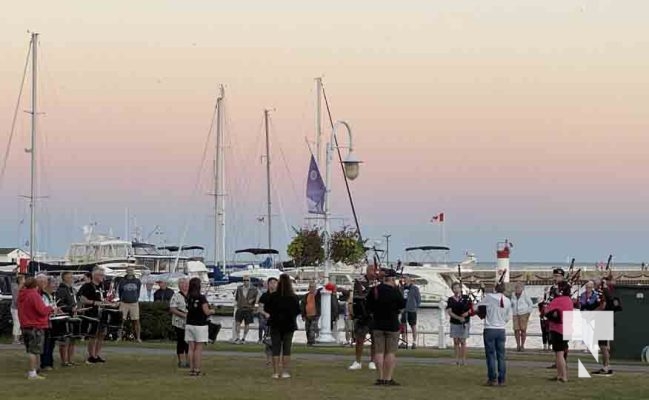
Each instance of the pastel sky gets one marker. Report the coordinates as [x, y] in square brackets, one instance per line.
[519, 120]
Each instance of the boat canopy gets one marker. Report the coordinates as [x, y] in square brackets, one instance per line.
[257, 251]
[428, 248]
[182, 248]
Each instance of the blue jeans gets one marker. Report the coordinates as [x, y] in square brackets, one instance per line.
[494, 348]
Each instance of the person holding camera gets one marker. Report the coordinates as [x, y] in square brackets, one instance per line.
[385, 302]
[495, 309]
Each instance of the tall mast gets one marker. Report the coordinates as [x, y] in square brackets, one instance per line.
[32, 194]
[318, 120]
[219, 181]
[266, 112]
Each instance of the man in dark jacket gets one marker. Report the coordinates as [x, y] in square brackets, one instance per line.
[385, 303]
[67, 302]
[164, 294]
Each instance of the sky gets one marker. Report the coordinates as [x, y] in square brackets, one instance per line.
[524, 121]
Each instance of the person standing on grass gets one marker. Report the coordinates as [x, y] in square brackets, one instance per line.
[15, 319]
[409, 315]
[34, 319]
[458, 308]
[497, 311]
[178, 310]
[245, 299]
[607, 303]
[196, 330]
[555, 315]
[67, 301]
[385, 303]
[92, 294]
[271, 287]
[362, 318]
[129, 297]
[521, 309]
[310, 313]
[47, 286]
[282, 309]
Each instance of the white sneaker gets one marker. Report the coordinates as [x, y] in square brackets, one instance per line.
[355, 366]
[371, 366]
[35, 377]
[286, 375]
[275, 376]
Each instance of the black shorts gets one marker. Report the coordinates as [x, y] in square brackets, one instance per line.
[409, 316]
[603, 343]
[244, 315]
[557, 342]
[361, 329]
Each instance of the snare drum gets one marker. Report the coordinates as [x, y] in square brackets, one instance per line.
[74, 328]
[59, 326]
[89, 326]
[111, 318]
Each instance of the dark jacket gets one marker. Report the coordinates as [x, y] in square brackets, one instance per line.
[385, 303]
[163, 295]
[283, 311]
[66, 298]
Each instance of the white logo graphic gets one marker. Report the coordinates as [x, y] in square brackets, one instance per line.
[588, 327]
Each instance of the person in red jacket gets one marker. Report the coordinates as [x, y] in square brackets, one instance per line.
[34, 319]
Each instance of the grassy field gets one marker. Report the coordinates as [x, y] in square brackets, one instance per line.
[131, 376]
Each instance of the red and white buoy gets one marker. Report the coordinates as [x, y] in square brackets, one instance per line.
[503, 249]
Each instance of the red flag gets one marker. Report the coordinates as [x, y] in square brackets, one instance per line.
[438, 218]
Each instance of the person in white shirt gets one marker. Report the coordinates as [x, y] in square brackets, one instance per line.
[521, 309]
[496, 310]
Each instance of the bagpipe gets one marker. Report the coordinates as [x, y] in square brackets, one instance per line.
[482, 309]
[469, 299]
[605, 289]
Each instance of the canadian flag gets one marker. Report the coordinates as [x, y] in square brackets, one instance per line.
[437, 218]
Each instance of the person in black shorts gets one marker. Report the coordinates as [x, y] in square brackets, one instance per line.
[607, 303]
[92, 294]
[263, 301]
[361, 316]
[245, 299]
[283, 308]
[409, 315]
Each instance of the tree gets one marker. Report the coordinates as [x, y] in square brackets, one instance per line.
[345, 246]
[307, 247]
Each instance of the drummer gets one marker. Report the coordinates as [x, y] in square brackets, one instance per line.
[92, 295]
[67, 302]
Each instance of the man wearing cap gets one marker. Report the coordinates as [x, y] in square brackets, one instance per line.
[558, 275]
[129, 296]
[385, 303]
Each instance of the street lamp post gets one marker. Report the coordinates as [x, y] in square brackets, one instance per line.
[351, 168]
[387, 249]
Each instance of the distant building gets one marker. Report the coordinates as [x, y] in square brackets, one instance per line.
[12, 255]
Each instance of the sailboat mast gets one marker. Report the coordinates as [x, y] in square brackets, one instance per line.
[318, 120]
[32, 194]
[219, 183]
[270, 246]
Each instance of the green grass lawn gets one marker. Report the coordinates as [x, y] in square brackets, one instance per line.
[153, 376]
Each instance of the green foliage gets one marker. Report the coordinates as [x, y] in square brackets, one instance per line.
[155, 320]
[306, 248]
[346, 247]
